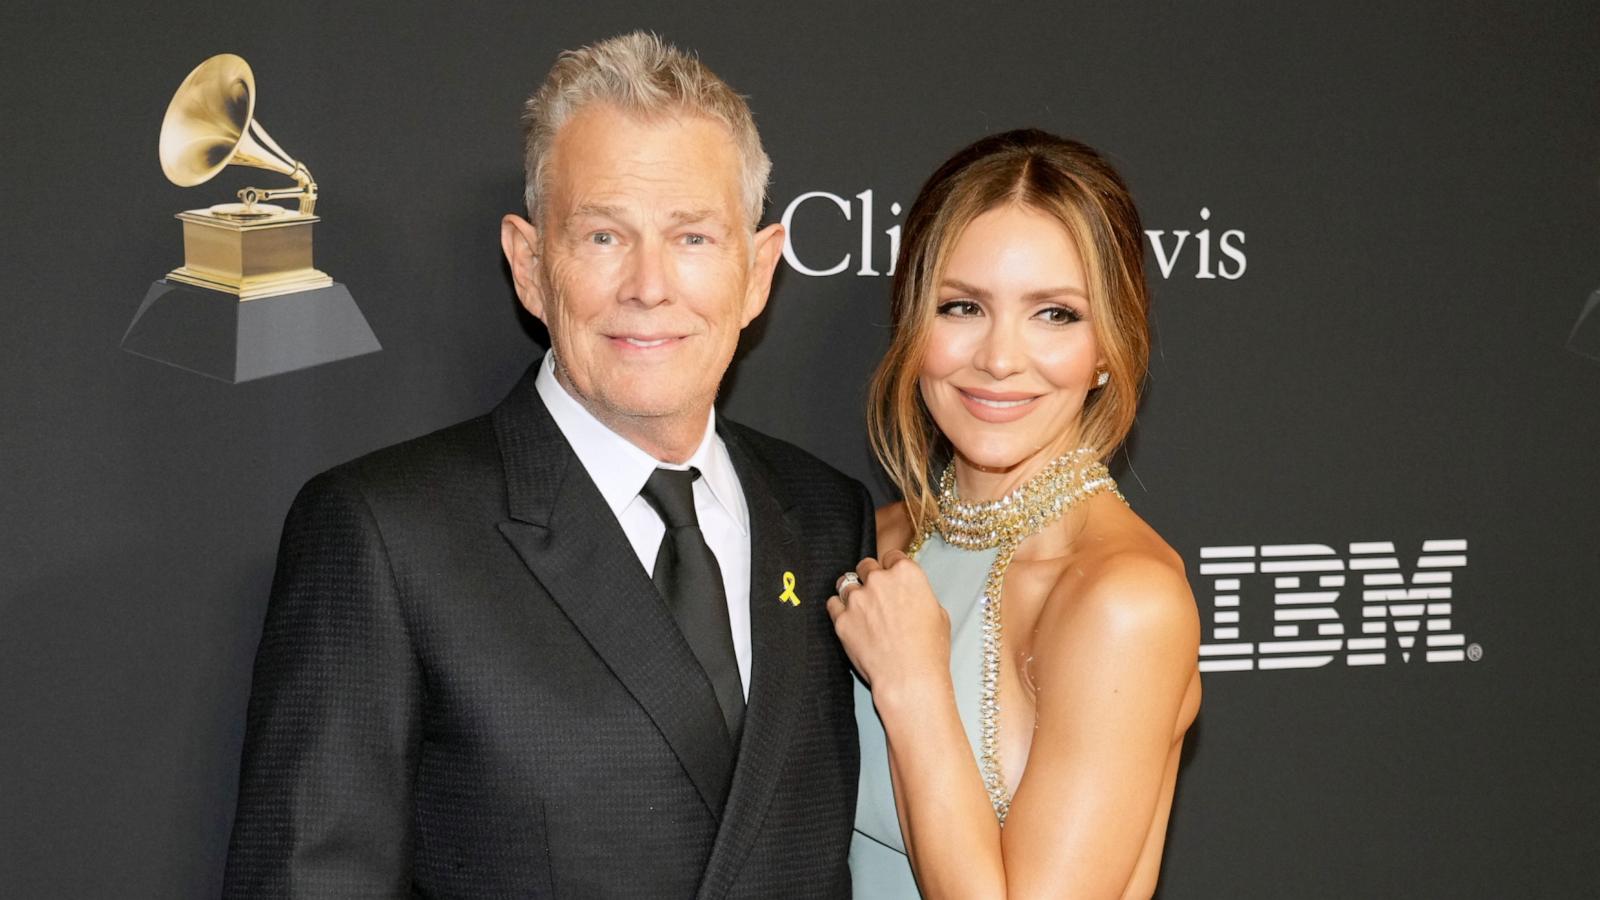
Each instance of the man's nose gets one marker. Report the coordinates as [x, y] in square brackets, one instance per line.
[1001, 352]
[647, 279]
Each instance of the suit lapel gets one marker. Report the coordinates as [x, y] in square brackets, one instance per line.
[778, 638]
[573, 545]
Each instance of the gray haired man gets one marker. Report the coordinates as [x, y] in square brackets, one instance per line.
[577, 646]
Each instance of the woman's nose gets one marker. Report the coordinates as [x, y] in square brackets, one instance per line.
[1001, 353]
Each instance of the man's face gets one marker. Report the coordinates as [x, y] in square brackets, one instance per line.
[642, 267]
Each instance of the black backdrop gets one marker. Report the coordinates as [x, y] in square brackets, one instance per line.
[1416, 199]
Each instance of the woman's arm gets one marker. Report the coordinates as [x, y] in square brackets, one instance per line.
[1114, 665]
[1115, 661]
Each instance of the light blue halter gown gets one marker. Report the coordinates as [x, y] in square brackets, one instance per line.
[878, 864]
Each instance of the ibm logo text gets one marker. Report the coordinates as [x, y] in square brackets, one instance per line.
[1321, 605]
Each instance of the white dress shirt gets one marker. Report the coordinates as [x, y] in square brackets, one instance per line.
[619, 469]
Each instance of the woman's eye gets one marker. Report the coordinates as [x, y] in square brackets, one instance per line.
[1060, 315]
[959, 309]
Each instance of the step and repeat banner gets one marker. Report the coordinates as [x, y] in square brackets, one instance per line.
[1372, 426]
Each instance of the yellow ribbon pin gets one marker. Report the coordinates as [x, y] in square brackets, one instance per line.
[788, 595]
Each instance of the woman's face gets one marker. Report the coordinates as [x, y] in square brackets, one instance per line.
[1012, 354]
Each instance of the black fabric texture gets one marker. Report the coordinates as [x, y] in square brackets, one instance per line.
[467, 686]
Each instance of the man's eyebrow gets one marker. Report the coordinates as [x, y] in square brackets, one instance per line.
[595, 210]
[1032, 296]
[693, 216]
[607, 211]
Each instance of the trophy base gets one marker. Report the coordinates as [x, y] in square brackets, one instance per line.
[256, 288]
[250, 255]
[213, 334]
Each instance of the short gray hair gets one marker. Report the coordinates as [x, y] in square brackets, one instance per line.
[641, 75]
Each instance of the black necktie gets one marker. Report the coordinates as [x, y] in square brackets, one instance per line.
[690, 581]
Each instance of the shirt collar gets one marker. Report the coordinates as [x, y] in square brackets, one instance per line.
[619, 468]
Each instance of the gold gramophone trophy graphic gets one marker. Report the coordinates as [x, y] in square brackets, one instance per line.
[247, 301]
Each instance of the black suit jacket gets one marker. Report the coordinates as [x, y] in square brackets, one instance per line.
[467, 686]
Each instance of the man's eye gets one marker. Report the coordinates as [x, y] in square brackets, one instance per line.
[695, 240]
[959, 309]
[604, 238]
[1060, 315]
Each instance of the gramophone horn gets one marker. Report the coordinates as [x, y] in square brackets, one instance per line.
[210, 124]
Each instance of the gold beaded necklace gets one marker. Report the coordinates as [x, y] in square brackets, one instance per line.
[1006, 523]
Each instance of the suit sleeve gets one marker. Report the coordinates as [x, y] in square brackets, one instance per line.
[869, 526]
[332, 733]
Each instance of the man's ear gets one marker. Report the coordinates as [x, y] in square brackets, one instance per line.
[519, 239]
[758, 283]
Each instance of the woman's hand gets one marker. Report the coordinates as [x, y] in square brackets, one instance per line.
[893, 628]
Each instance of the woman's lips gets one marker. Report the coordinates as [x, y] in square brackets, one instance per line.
[995, 406]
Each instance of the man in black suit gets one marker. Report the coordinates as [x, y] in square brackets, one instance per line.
[577, 647]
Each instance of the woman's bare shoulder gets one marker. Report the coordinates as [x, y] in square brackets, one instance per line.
[1126, 580]
[894, 528]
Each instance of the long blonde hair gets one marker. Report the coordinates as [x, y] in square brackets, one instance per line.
[1061, 178]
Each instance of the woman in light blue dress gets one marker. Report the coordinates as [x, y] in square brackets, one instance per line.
[1026, 646]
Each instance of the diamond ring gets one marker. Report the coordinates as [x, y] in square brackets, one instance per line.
[847, 580]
